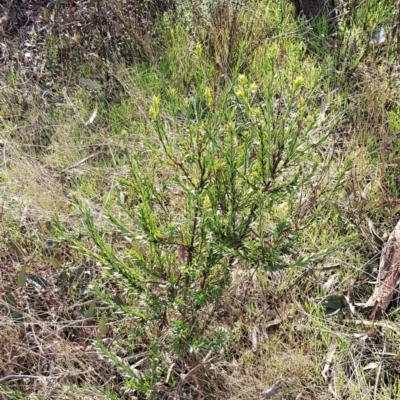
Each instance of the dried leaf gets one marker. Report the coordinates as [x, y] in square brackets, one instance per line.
[377, 239]
[350, 304]
[254, 340]
[93, 116]
[329, 357]
[181, 253]
[182, 250]
[371, 365]
[24, 106]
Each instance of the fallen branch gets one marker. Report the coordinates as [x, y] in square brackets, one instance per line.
[388, 276]
[16, 377]
[385, 325]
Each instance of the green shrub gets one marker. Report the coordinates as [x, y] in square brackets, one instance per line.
[218, 188]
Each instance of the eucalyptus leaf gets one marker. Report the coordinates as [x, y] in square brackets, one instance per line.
[353, 48]
[333, 304]
[89, 83]
[379, 36]
[117, 300]
[37, 281]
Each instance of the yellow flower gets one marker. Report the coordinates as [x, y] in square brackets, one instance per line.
[275, 50]
[230, 126]
[240, 92]
[198, 49]
[254, 175]
[156, 102]
[298, 82]
[309, 119]
[253, 87]
[257, 112]
[242, 79]
[154, 111]
[301, 103]
[206, 202]
[208, 96]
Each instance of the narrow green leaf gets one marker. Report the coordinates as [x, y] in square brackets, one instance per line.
[103, 328]
[73, 280]
[90, 312]
[22, 276]
[11, 300]
[15, 250]
[62, 281]
[17, 317]
[48, 226]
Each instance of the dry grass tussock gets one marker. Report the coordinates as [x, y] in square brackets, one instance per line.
[46, 347]
[30, 189]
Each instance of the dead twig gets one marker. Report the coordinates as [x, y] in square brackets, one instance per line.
[77, 164]
[268, 393]
[375, 323]
[16, 377]
[378, 374]
[184, 377]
